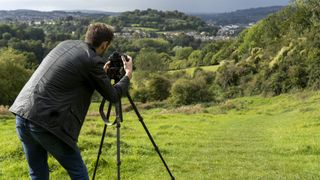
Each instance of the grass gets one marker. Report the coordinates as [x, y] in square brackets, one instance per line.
[244, 138]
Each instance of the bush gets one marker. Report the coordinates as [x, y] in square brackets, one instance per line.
[227, 75]
[314, 74]
[149, 60]
[195, 58]
[182, 52]
[185, 92]
[158, 88]
[140, 95]
[274, 84]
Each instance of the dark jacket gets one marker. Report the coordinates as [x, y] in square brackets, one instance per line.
[58, 94]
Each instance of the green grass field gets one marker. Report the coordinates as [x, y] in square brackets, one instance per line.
[244, 138]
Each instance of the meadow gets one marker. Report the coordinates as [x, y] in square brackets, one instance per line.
[244, 138]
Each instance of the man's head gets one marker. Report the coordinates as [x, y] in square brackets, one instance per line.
[99, 36]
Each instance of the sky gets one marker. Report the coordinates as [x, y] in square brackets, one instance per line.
[189, 6]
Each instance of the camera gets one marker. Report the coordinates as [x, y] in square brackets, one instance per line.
[116, 70]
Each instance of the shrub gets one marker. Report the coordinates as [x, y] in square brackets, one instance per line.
[275, 83]
[185, 91]
[149, 60]
[227, 75]
[182, 52]
[314, 70]
[195, 58]
[158, 88]
[140, 95]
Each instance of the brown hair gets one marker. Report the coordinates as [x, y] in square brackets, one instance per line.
[98, 33]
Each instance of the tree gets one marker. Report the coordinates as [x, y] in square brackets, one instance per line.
[160, 45]
[28, 46]
[149, 60]
[314, 70]
[6, 36]
[189, 91]
[227, 75]
[158, 88]
[185, 40]
[35, 34]
[13, 75]
[4, 28]
[182, 52]
[195, 58]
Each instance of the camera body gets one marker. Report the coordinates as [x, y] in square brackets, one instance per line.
[116, 70]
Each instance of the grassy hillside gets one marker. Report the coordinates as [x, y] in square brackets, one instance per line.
[279, 54]
[244, 138]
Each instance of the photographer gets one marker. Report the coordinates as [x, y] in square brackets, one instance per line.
[52, 106]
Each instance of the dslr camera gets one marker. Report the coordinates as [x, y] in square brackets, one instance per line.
[116, 70]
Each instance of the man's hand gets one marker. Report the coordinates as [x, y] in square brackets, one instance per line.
[127, 65]
[106, 66]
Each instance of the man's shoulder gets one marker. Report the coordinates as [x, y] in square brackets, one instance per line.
[72, 43]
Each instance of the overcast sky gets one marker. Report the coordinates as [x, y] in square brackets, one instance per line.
[206, 6]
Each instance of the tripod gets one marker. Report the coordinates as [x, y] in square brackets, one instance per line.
[117, 122]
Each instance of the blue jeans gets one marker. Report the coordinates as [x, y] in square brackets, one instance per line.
[37, 142]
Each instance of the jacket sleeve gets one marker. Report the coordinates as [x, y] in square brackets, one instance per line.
[102, 83]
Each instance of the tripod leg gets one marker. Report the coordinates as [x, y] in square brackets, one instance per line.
[118, 124]
[118, 149]
[101, 142]
[149, 135]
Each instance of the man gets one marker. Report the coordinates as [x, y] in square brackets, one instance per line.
[52, 106]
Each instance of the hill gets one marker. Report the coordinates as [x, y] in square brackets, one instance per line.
[159, 20]
[239, 17]
[279, 54]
